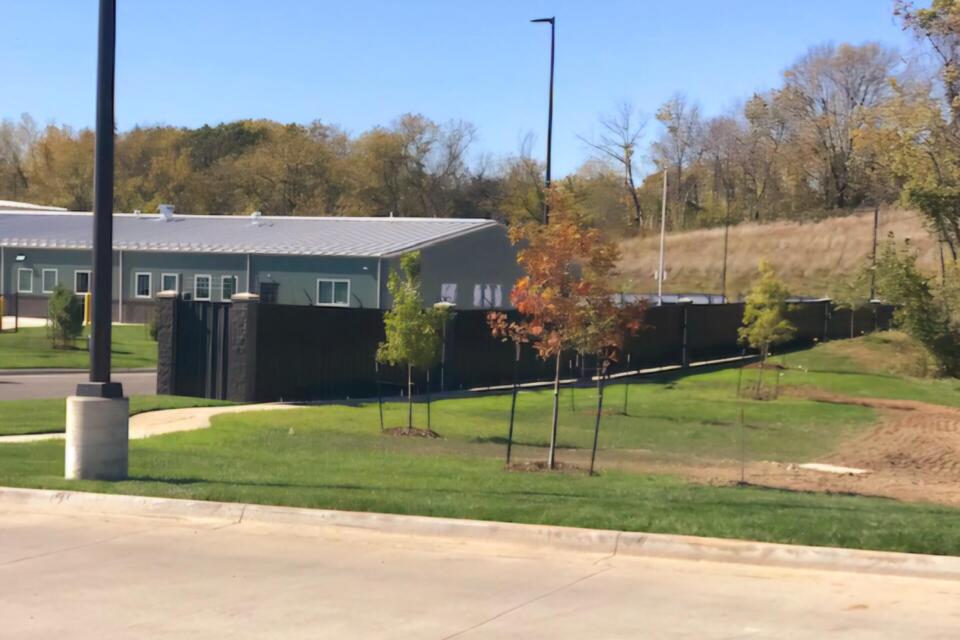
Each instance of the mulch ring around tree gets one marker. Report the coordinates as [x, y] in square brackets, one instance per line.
[541, 465]
[411, 432]
[606, 412]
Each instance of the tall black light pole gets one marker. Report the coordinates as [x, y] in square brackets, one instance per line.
[102, 289]
[553, 28]
[97, 429]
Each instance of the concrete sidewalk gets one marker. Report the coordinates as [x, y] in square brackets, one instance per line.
[79, 576]
[155, 423]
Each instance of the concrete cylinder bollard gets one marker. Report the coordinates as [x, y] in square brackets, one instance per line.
[97, 438]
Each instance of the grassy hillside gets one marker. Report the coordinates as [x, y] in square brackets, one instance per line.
[808, 256]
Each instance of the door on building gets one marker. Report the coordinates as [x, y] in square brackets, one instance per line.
[268, 292]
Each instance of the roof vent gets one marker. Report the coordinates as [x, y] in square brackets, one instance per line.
[166, 212]
[255, 218]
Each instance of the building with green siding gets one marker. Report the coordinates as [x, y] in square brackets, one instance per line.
[330, 261]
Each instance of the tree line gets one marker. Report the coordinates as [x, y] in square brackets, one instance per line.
[849, 125]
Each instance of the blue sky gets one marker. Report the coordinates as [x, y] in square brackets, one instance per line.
[359, 63]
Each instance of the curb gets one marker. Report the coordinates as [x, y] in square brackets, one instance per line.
[612, 543]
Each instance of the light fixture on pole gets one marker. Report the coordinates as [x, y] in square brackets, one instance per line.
[446, 308]
[20, 258]
[553, 26]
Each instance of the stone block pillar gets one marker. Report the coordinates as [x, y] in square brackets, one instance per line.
[242, 355]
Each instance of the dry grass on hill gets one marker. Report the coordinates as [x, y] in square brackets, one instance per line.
[808, 256]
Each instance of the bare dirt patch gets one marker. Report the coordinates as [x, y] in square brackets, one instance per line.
[540, 465]
[912, 454]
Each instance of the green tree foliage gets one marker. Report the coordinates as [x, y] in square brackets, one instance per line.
[852, 292]
[65, 312]
[764, 316]
[413, 334]
[923, 310]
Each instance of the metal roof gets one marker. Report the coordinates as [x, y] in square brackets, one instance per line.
[272, 235]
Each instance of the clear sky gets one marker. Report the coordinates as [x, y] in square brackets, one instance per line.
[358, 63]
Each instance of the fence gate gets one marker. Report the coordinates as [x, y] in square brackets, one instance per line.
[202, 349]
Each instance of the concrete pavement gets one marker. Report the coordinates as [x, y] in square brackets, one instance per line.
[9, 322]
[33, 385]
[112, 576]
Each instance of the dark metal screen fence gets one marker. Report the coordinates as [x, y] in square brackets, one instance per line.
[247, 351]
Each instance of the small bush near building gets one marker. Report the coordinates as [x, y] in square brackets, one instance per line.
[65, 312]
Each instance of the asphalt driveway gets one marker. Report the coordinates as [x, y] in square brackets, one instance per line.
[36, 385]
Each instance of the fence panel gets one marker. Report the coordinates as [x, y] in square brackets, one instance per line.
[312, 353]
[712, 331]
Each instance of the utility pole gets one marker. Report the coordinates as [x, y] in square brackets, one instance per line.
[663, 233]
[726, 244]
[873, 254]
[553, 25]
[98, 415]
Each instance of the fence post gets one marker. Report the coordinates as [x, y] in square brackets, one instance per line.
[684, 340]
[242, 355]
[167, 309]
[827, 313]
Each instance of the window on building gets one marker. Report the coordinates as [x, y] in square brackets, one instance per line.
[25, 280]
[170, 282]
[49, 280]
[448, 293]
[229, 287]
[201, 288]
[333, 292]
[143, 285]
[81, 282]
[488, 296]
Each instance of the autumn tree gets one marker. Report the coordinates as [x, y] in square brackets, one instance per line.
[564, 263]
[827, 91]
[618, 140]
[413, 334]
[679, 147]
[764, 316]
[602, 322]
[16, 139]
[939, 27]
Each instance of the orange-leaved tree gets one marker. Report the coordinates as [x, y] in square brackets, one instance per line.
[601, 323]
[566, 295]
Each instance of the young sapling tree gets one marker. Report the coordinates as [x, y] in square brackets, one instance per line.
[764, 322]
[413, 333]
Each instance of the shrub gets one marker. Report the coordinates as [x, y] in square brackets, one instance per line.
[65, 312]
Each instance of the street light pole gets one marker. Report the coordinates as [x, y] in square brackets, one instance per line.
[102, 289]
[553, 40]
[98, 415]
[663, 234]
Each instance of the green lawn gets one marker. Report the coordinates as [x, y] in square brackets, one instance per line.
[29, 348]
[300, 458]
[48, 416]
[333, 456]
[867, 367]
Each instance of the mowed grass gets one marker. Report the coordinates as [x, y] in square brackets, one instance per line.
[334, 456]
[19, 417]
[30, 348]
[868, 367]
